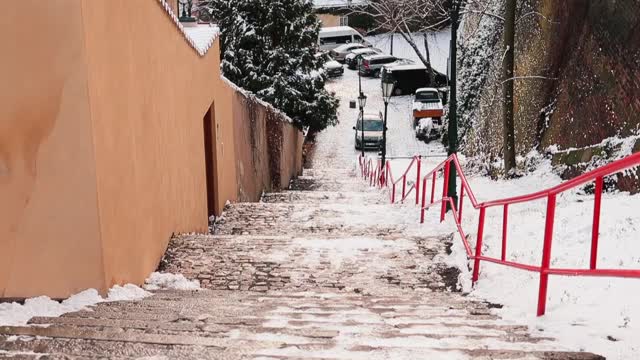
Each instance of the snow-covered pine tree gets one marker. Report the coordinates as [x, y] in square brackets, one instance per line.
[269, 49]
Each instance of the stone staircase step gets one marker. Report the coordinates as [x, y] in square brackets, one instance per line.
[326, 270]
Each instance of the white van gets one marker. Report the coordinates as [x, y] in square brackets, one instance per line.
[332, 37]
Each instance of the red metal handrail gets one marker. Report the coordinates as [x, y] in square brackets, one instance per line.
[389, 179]
[550, 194]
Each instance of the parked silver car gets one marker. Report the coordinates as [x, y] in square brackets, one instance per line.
[372, 64]
[331, 67]
[371, 129]
[352, 58]
[339, 53]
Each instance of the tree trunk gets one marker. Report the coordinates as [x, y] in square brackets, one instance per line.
[415, 47]
[392, 36]
[507, 87]
[430, 75]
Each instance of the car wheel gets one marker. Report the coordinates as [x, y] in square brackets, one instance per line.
[376, 73]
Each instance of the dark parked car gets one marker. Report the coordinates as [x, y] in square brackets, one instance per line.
[372, 64]
[410, 77]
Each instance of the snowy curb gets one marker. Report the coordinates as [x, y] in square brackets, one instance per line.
[15, 314]
[201, 38]
[164, 281]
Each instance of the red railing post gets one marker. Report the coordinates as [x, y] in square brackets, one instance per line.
[546, 254]
[393, 193]
[387, 175]
[476, 260]
[595, 231]
[445, 191]
[404, 186]
[461, 202]
[505, 217]
[433, 187]
[424, 199]
[418, 181]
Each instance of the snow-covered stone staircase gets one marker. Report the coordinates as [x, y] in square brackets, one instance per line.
[326, 270]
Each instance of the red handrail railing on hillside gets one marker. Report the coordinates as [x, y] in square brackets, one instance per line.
[389, 179]
[550, 194]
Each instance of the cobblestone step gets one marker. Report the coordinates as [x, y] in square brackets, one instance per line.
[334, 197]
[263, 263]
[284, 326]
[348, 217]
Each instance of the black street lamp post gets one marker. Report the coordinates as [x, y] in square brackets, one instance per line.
[362, 101]
[452, 136]
[387, 91]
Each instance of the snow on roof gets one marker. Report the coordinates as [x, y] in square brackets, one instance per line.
[426, 90]
[366, 50]
[403, 66]
[337, 3]
[201, 37]
[336, 29]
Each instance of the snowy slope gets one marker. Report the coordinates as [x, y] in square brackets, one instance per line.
[594, 314]
[438, 47]
[600, 315]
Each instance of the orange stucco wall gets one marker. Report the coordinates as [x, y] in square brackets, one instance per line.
[268, 149]
[149, 92]
[49, 233]
[102, 154]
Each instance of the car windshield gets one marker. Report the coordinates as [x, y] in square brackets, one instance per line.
[427, 96]
[370, 125]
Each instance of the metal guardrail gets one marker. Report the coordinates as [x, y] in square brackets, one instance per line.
[381, 179]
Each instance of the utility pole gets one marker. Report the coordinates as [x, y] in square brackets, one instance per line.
[362, 100]
[453, 104]
[507, 87]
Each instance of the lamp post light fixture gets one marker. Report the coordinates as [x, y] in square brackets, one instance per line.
[387, 91]
[362, 101]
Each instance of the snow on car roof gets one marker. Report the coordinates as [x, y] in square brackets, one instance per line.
[378, 56]
[403, 66]
[366, 50]
[348, 46]
[427, 90]
[372, 116]
[336, 29]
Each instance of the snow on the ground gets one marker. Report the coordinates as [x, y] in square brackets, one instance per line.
[337, 143]
[599, 315]
[593, 314]
[15, 314]
[162, 281]
[438, 47]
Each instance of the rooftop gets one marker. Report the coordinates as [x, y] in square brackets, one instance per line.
[337, 3]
